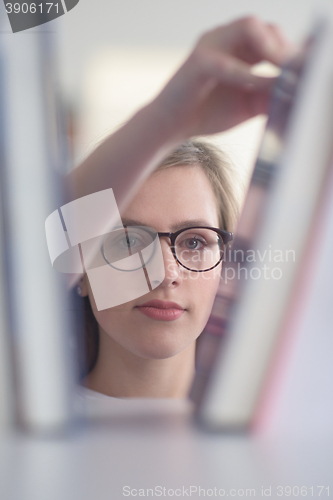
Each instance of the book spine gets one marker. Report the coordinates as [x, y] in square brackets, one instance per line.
[296, 395]
[44, 378]
[234, 263]
[242, 367]
[6, 385]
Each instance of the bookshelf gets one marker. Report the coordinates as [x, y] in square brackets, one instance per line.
[144, 444]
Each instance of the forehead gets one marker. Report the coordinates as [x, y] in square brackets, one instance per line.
[174, 195]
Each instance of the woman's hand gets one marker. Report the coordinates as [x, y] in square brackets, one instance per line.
[215, 88]
[213, 91]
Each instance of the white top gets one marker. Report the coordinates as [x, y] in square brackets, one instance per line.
[97, 405]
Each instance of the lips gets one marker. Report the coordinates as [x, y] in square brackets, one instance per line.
[161, 310]
[161, 304]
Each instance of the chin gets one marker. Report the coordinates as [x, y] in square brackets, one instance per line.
[159, 350]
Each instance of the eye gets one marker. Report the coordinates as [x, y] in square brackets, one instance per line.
[120, 244]
[127, 242]
[193, 243]
[130, 241]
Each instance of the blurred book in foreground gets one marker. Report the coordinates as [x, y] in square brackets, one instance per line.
[6, 380]
[241, 337]
[296, 398]
[39, 325]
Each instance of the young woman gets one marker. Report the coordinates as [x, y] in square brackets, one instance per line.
[147, 346]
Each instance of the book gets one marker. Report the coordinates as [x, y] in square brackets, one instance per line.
[235, 353]
[296, 399]
[235, 262]
[6, 382]
[39, 323]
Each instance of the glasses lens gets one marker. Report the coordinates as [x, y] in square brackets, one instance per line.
[199, 249]
[129, 248]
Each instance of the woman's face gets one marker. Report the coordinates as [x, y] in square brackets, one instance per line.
[170, 199]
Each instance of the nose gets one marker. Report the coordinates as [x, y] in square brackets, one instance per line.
[173, 274]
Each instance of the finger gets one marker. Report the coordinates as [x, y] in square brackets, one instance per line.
[257, 103]
[229, 71]
[227, 108]
[248, 39]
[286, 49]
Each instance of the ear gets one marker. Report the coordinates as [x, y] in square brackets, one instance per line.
[82, 286]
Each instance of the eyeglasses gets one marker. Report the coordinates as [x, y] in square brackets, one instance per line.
[197, 249]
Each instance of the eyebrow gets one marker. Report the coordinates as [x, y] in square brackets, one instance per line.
[179, 225]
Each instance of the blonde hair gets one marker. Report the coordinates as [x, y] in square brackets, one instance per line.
[219, 172]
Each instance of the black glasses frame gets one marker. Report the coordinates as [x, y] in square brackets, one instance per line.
[225, 235]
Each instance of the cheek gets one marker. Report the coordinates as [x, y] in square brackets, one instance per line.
[203, 288]
[112, 319]
[210, 279]
[106, 317]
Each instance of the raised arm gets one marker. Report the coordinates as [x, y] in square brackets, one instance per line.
[212, 91]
